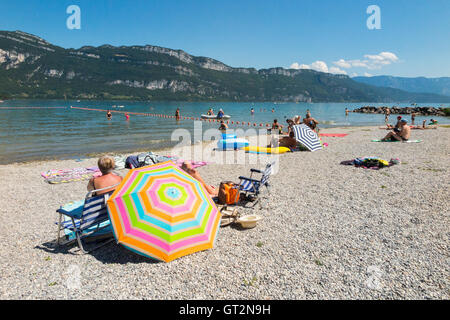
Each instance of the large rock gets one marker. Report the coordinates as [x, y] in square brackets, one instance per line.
[420, 111]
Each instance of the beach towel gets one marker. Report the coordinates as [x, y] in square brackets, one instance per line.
[371, 162]
[55, 176]
[194, 164]
[409, 141]
[333, 134]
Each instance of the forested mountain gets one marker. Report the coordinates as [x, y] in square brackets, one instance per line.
[31, 67]
[420, 84]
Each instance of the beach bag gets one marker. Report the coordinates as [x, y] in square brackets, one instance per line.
[228, 193]
[132, 162]
[141, 160]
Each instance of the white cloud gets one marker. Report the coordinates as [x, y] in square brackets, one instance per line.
[366, 74]
[343, 64]
[353, 74]
[297, 66]
[318, 66]
[371, 61]
[382, 56]
[336, 70]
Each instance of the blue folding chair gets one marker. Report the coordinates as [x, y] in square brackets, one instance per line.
[86, 220]
[251, 187]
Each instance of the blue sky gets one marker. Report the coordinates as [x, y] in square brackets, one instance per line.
[332, 36]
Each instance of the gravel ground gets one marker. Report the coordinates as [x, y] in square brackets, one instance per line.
[328, 232]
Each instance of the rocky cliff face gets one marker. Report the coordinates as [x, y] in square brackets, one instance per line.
[32, 67]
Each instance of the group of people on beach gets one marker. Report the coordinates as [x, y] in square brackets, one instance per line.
[288, 140]
[401, 131]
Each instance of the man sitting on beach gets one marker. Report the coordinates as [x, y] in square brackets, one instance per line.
[310, 121]
[186, 166]
[403, 135]
[106, 165]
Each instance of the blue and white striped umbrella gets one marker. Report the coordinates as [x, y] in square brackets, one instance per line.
[307, 137]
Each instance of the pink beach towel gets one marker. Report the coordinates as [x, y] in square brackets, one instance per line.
[333, 134]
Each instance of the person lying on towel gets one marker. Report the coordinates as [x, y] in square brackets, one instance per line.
[288, 142]
[402, 135]
[186, 166]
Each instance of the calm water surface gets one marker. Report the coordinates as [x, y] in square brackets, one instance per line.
[61, 133]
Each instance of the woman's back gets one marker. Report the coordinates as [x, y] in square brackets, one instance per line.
[105, 181]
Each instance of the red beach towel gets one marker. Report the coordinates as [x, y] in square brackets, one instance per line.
[333, 134]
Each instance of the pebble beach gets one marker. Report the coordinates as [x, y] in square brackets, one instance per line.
[329, 231]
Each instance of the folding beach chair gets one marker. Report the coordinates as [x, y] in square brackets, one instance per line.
[251, 187]
[86, 220]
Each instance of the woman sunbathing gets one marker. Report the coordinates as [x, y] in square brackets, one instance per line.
[424, 126]
[289, 141]
[108, 178]
[186, 166]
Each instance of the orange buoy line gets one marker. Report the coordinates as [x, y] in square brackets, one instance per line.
[33, 107]
[157, 115]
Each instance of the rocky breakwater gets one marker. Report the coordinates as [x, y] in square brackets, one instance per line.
[420, 111]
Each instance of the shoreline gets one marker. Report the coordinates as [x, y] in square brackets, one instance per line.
[88, 156]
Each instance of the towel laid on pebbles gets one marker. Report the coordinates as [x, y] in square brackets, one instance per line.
[408, 141]
[333, 134]
[371, 162]
[55, 176]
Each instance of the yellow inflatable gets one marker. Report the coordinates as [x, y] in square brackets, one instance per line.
[257, 149]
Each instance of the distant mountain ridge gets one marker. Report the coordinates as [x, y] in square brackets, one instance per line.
[419, 84]
[31, 67]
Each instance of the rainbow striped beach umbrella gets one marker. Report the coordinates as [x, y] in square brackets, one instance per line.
[161, 212]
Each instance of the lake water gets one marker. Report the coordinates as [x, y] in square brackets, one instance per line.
[53, 130]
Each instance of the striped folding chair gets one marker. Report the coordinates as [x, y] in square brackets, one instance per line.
[251, 186]
[85, 220]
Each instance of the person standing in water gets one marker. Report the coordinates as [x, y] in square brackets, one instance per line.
[252, 111]
[223, 126]
[108, 115]
[387, 112]
[127, 117]
[177, 114]
[346, 112]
